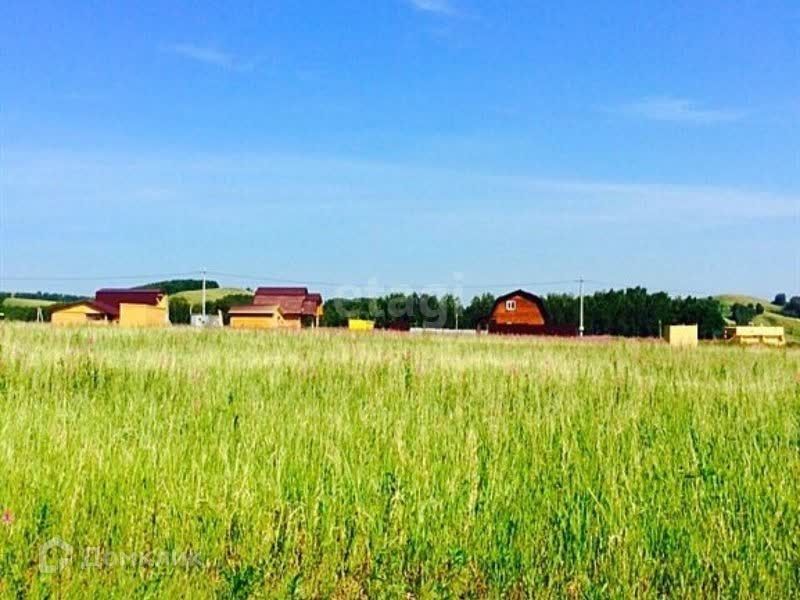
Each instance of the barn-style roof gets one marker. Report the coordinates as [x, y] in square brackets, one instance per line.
[528, 296]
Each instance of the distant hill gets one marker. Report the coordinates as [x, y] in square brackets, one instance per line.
[175, 286]
[27, 302]
[771, 317]
[195, 297]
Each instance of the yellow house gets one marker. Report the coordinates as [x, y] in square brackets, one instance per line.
[360, 325]
[128, 308]
[256, 317]
[681, 335]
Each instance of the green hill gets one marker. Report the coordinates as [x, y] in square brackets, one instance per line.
[26, 303]
[194, 297]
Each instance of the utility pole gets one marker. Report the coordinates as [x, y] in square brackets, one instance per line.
[580, 328]
[457, 307]
[204, 294]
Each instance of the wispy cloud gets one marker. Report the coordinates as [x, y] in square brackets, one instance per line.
[210, 56]
[442, 7]
[680, 110]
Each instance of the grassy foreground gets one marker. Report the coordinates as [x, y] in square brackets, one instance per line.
[322, 464]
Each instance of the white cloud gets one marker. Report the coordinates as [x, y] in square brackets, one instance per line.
[209, 56]
[442, 7]
[680, 110]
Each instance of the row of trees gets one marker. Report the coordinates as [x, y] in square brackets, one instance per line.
[789, 307]
[633, 312]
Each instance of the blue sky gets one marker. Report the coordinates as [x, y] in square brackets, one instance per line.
[365, 146]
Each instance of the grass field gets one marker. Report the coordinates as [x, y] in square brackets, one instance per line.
[338, 465]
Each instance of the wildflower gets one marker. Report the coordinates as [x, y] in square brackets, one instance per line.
[7, 518]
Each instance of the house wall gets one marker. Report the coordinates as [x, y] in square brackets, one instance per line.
[256, 322]
[527, 313]
[681, 335]
[292, 323]
[143, 315]
[76, 315]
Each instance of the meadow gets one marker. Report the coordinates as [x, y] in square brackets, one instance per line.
[321, 464]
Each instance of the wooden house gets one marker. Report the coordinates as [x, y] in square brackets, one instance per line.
[299, 307]
[523, 313]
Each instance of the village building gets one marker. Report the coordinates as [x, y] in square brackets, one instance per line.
[298, 307]
[523, 313]
[127, 307]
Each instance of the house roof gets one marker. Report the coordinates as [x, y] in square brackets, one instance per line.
[111, 298]
[255, 309]
[282, 291]
[292, 300]
[528, 296]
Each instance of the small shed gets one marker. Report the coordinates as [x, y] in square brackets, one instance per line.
[360, 325]
[251, 316]
[681, 335]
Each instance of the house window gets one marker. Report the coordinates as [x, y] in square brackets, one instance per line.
[511, 305]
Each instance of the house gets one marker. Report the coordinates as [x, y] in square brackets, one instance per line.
[256, 316]
[523, 313]
[299, 307]
[127, 307]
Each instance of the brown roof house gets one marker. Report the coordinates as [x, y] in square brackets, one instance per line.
[288, 307]
[127, 307]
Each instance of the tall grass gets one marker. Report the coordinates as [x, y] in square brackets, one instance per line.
[320, 464]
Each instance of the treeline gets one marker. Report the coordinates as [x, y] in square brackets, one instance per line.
[44, 296]
[632, 312]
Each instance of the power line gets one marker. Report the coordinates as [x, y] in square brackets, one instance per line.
[103, 277]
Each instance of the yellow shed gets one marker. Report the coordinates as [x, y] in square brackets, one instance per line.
[360, 325]
[681, 335]
[256, 317]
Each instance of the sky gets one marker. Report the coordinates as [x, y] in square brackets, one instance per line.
[438, 145]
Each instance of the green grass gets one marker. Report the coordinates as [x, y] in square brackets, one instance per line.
[26, 302]
[318, 464]
[195, 296]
